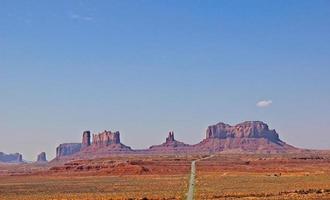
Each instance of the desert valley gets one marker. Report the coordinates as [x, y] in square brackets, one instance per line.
[165, 100]
[245, 161]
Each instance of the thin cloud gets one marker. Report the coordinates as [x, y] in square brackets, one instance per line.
[75, 16]
[264, 103]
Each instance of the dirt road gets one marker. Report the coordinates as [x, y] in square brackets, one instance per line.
[190, 194]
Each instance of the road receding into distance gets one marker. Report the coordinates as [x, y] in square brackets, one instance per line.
[190, 194]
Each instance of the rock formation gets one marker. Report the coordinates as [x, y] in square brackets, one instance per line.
[67, 149]
[11, 158]
[104, 143]
[250, 129]
[170, 137]
[251, 136]
[19, 158]
[42, 157]
[170, 145]
[106, 138]
[86, 140]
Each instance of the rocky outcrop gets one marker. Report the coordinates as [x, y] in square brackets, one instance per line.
[251, 136]
[106, 138]
[249, 129]
[170, 145]
[170, 137]
[104, 143]
[19, 158]
[11, 158]
[67, 149]
[41, 157]
[86, 140]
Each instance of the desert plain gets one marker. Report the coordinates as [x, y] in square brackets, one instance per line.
[223, 176]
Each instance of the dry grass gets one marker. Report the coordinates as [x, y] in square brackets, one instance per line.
[235, 176]
[263, 177]
[99, 187]
[260, 186]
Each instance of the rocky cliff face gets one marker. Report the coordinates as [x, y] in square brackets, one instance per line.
[11, 158]
[42, 157]
[106, 138]
[250, 129]
[67, 149]
[252, 136]
[170, 137]
[20, 158]
[86, 140]
[170, 145]
[104, 143]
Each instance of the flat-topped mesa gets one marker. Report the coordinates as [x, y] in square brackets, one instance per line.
[250, 136]
[249, 129]
[103, 144]
[106, 138]
[67, 149]
[11, 158]
[41, 157]
[86, 140]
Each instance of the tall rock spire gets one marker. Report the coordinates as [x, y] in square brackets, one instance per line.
[170, 137]
[86, 140]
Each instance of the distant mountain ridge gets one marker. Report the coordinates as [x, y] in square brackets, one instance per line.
[249, 136]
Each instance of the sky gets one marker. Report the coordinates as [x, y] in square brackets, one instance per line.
[148, 67]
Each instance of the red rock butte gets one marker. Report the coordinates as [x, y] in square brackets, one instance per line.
[249, 136]
[11, 158]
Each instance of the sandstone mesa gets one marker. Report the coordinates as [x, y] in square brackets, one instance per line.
[11, 158]
[248, 137]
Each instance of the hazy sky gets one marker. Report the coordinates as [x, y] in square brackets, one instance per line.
[147, 67]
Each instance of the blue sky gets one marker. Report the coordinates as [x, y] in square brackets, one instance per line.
[147, 67]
